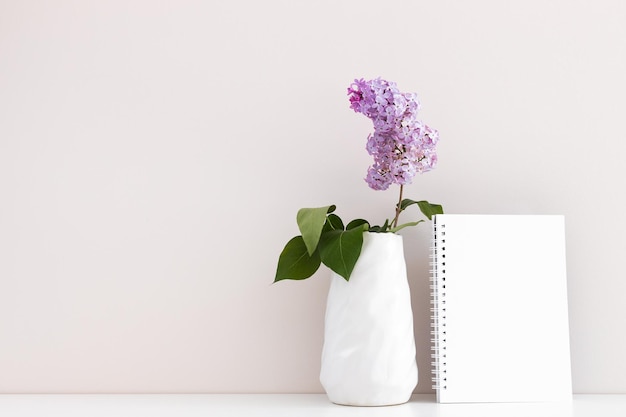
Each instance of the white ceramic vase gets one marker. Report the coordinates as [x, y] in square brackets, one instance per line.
[369, 348]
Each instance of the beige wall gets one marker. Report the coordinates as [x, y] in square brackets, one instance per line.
[153, 156]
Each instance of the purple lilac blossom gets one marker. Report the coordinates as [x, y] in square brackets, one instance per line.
[401, 145]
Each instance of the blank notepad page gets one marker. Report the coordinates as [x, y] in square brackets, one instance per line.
[501, 330]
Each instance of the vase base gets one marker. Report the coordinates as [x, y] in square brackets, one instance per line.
[393, 404]
[365, 403]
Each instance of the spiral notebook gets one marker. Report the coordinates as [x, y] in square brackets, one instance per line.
[500, 321]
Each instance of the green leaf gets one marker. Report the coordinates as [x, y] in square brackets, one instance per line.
[340, 249]
[356, 223]
[428, 209]
[402, 226]
[310, 222]
[294, 261]
[333, 222]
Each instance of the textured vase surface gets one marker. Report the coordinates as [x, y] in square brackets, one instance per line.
[369, 348]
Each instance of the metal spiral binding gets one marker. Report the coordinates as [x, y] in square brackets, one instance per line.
[438, 332]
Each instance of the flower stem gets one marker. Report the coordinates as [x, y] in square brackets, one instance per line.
[398, 208]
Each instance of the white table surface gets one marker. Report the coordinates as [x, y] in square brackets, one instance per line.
[291, 405]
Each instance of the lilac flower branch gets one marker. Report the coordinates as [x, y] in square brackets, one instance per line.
[401, 145]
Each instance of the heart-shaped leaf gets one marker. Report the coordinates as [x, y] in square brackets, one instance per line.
[311, 222]
[294, 261]
[356, 223]
[428, 209]
[340, 249]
